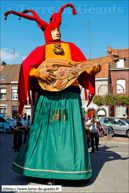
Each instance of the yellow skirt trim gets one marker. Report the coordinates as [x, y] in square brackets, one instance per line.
[50, 170]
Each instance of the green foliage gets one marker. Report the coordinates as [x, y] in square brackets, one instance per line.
[98, 100]
[111, 100]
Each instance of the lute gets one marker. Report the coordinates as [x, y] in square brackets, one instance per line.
[67, 71]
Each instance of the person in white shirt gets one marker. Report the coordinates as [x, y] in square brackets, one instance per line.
[18, 126]
[93, 129]
[27, 127]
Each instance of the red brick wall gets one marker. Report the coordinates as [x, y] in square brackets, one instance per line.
[7, 101]
[116, 75]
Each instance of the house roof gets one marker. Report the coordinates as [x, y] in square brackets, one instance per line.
[11, 72]
[1, 67]
[123, 53]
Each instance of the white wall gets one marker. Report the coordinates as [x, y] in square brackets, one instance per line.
[102, 91]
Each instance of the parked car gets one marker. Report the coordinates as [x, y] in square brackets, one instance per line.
[5, 123]
[119, 126]
[126, 119]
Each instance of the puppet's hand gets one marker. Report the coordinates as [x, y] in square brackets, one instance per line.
[96, 68]
[46, 75]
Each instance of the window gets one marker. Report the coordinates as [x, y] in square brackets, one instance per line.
[3, 109]
[120, 111]
[118, 122]
[3, 77]
[120, 63]
[107, 119]
[14, 94]
[3, 94]
[27, 109]
[101, 112]
[121, 89]
[14, 111]
[2, 120]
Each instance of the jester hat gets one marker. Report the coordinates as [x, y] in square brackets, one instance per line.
[55, 20]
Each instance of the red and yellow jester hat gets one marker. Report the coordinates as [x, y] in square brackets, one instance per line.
[55, 20]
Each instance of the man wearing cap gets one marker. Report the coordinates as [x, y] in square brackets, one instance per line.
[56, 147]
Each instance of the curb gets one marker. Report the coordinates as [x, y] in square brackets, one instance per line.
[116, 142]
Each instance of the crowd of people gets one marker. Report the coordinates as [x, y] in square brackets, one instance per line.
[93, 130]
[21, 125]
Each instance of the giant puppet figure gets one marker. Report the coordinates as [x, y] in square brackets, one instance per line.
[56, 147]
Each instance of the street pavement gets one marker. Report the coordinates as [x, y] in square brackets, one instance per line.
[110, 167]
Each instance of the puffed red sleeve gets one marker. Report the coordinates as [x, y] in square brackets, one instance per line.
[35, 58]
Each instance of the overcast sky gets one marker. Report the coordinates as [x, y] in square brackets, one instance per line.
[109, 27]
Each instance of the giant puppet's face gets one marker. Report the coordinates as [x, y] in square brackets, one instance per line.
[55, 33]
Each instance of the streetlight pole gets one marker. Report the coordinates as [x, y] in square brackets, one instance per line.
[64, 25]
[13, 55]
[89, 40]
[89, 37]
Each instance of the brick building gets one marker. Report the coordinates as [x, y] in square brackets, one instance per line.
[119, 78]
[8, 90]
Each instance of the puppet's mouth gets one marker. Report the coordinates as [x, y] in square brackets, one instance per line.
[57, 37]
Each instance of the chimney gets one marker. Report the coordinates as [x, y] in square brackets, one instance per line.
[109, 50]
[3, 63]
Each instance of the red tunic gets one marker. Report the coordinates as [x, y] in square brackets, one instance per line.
[35, 58]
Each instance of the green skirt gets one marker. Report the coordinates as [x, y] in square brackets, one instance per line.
[56, 146]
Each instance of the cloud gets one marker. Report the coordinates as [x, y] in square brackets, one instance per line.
[5, 49]
[6, 56]
[24, 57]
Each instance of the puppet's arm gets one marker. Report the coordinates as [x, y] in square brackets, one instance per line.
[34, 73]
